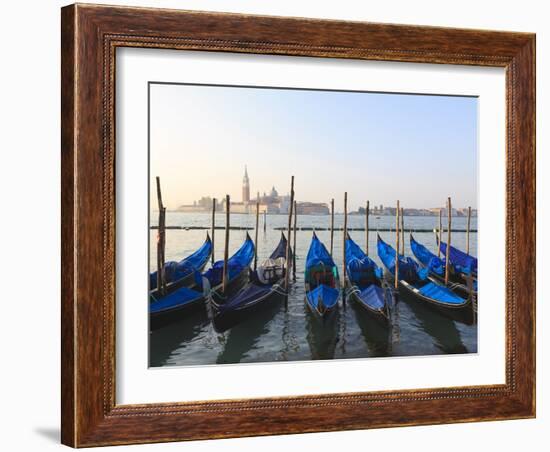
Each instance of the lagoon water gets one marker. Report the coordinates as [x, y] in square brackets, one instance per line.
[292, 334]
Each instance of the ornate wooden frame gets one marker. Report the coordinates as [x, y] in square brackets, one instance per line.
[90, 35]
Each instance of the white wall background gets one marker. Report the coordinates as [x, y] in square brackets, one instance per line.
[29, 143]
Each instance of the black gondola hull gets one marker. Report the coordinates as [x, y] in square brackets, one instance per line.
[381, 316]
[456, 284]
[187, 281]
[327, 317]
[463, 313]
[166, 316]
[233, 286]
[162, 318]
[223, 321]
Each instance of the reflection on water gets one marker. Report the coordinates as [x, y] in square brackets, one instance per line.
[292, 334]
[443, 331]
[243, 338]
[377, 338]
[322, 338]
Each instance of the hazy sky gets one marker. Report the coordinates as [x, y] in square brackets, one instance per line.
[382, 147]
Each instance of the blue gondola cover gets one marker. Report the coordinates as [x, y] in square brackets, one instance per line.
[422, 285]
[255, 290]
[236, 263]
[179, 297]
[319, 263]
[373, 295]
[178, 270]
[427, 258]
[318, 254]
[328, 295]
[280, 251]
[364, 276]
[249, 293]
[358, 263]
[463, 262]
[440, 293]
[408, 268]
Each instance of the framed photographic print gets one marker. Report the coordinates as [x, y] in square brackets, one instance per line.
[281, 225]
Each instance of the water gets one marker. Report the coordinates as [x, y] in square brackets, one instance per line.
[292, 334]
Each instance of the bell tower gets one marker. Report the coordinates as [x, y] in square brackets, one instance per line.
[246, 187]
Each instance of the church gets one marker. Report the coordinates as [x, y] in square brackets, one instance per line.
[270, 203]
[273, 203]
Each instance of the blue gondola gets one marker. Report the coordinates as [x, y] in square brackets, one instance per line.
[463, 262]
[178, 274]
[415, 284]
[238, 272]
[183, 300]
[265, 289]
[457, 279]
[322, 283]
[177, 304]
[364, 283]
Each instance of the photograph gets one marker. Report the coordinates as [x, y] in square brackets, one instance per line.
[271, 223]
[292, 224]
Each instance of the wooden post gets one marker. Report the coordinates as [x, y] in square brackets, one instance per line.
[294, 242]
[448, 249]
[344, 246]
[265, 219]
[287, 259]
[439, 236]
[331, 225]
[468, 231]
[226, 250]
[161, 242]
[163, 250]
[367, 213]
[402, 231]
[256, 234]
[396, 269]
[213, 227]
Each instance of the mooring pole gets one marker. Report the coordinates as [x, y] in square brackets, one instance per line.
[439, 236]
[448, 249]
[265, 219]
[396, 267]
[331, 225]
[402, 213]
[226, 250]
[468, 231]
[294, 242]
[287, 260]
[344, 247]
[256, 234]
[367, 212]
[160, 241]
[163, 249]
[213, 227]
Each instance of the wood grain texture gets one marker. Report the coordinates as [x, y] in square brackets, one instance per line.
[68, 147]
[90, 36]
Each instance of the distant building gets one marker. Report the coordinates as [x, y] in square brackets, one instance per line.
[274, 203]
[312, 208]
[202, 205]
[434, 211]
[246, 187]
[269, 208]
[284, 204]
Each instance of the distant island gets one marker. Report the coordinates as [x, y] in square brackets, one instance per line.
[306, 208]
[275, 204]
[269, 203]
[431, 212]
